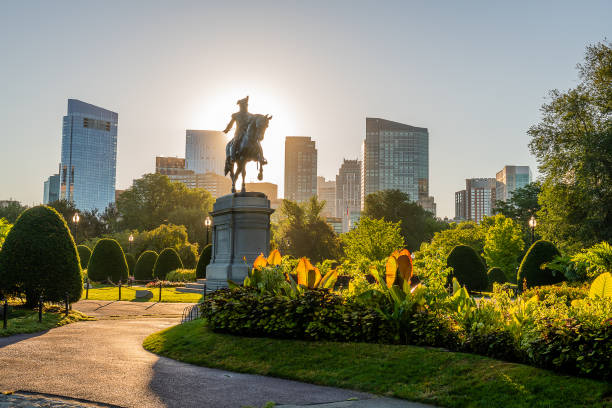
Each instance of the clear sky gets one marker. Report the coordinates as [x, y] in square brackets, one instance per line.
[473, 73]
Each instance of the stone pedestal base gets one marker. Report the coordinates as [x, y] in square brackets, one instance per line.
[241, 230]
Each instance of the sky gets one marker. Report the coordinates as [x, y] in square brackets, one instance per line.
[474, 73]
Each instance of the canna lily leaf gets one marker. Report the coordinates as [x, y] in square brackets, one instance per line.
[404, 265]
[329, 280]
[601, 286]
[260, 262]
[403, 252]
[274, 258]
[391, 271]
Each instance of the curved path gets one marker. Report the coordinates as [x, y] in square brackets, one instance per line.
[103, 361]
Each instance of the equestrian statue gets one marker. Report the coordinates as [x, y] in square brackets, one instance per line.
[246, 144]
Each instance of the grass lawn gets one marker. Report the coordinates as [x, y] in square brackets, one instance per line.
[168, 294]
[26, 320]
[428, 375]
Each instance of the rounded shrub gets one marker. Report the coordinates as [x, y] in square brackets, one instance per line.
[131, 263]
[203, 262]
[496, 275]
[107, 262]
[84, 255]
[531, 271]
[144, 266]
[468, 268]
[167, 261]
[39, 257]
[189, 255]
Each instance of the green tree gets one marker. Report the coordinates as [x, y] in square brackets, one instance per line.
[503, 245]
[5, 227]
[372, 239]
[573, 145]
[12, 210]
[303, 232]
[521, 206]
[417, 225]
[90, 224]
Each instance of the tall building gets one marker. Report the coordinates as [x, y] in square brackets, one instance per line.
[216, 184]
[477, 200]
[269, 189]
[300, 168]
[511, 178]
[205, 151]
[174, 168]
[395, 156]
[51, 189]
[89, 156]
[326, 191]
[348, 193]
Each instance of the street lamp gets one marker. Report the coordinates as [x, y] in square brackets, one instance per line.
[532, 224]
[207, 222]
[131, 239]
[75, 221]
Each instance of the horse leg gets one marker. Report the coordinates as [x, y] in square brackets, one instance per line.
[243, 175]
[233, 176]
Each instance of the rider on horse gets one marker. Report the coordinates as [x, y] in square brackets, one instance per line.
[243, 120]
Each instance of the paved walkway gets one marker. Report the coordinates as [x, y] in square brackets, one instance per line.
[103, 361]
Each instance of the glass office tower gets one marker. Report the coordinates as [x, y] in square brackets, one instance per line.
[89, 156]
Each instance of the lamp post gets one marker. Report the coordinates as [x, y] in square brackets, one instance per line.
[207, 222]
[532, 224]
[75, 221]
[131, 239]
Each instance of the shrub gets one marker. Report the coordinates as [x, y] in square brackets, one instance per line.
[39, 256]
[531, 270]
[468, 268]
[107, 262]
[166, 262]
[131, 263]
[203, 262]
[496, 275]
[84, 255]
[144, 266]
[569, 292]
[181, 275]
[189, 255]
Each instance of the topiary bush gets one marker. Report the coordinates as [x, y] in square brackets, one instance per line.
[496, 275]
[203, 262]
[107, 262]
[530, 270]
[167, 261]
[39, 257]
[468, 268]
[131, 263]
[144, 266]
[181, 275]
[189, 255]
[84, 255]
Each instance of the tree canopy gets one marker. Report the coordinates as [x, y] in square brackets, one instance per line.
[503, 245]
[372, 239]
[12, 210]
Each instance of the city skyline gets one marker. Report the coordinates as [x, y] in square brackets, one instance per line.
[472, 79]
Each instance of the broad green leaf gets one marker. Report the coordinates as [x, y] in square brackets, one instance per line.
[329, 280]
[601, 286]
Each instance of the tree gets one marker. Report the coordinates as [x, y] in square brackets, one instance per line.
[302, 232]
[5, 227]
[503, 245]
[39, 258]
[12, 210]
[167, 261]
[90, 224]
[573, 145]
[107, 262]
[417, 225]
[372, 239]
[468, 268]
[521, 206]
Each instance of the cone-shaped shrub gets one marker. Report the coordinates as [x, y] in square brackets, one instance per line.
[496, 275]
[144, 266]
[167, 261]
[131, 263]
[203, 262]
[39, 257]
[468, 268]
[530, 270]
[84, 255]
[107, 262]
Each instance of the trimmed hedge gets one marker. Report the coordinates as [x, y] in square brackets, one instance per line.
[131, 263]
[530, 270]
[84, 255]
[107, 262]
[468, 268]
[39, 256]
[144, 266]
[203, 262]
[181, 275]
[189, 255]
[167, 261]
[496, 275]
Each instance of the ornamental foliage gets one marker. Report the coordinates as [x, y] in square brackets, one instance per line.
[166, 262]
[107, 262]
[532, 271]
[144, 266]
[468, 268]
[203, 262]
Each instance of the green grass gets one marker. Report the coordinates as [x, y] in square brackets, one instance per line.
[168, 295]
[26, 320]
[428, 375]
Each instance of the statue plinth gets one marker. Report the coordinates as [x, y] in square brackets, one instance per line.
[241, 230]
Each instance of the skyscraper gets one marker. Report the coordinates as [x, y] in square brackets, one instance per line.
[205, 151]
[348, 193]
[395, 156]
[51, 189]
[89, 156]
[477, 200]
[509, 179]
[174, 168]
[300, 168]
[326, 191]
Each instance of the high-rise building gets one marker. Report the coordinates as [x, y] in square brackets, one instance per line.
[511, 178]
[395, 156]
[477, 200]
[89, 156]
[326, 191]
[300, 168]
[205, 151]
[51, 189]
[348, 193]
[269, 189]
[174, 168]
[216, 184]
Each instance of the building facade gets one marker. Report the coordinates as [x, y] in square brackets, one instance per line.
[89, 156]
[348, 193]
[300, 168]
[511, 178]
[460, 206]
[51, 191]
[478, 199]
[269, 189]
[205, 151]
[174, 168]
[326, 191]
[216, 184]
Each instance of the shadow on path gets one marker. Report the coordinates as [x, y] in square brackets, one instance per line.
[16, 338]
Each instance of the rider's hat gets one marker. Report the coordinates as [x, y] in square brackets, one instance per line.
[243, 101]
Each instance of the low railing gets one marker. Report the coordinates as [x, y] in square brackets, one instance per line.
[190, 313]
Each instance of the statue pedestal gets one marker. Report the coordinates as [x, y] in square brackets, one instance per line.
[241, 229]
